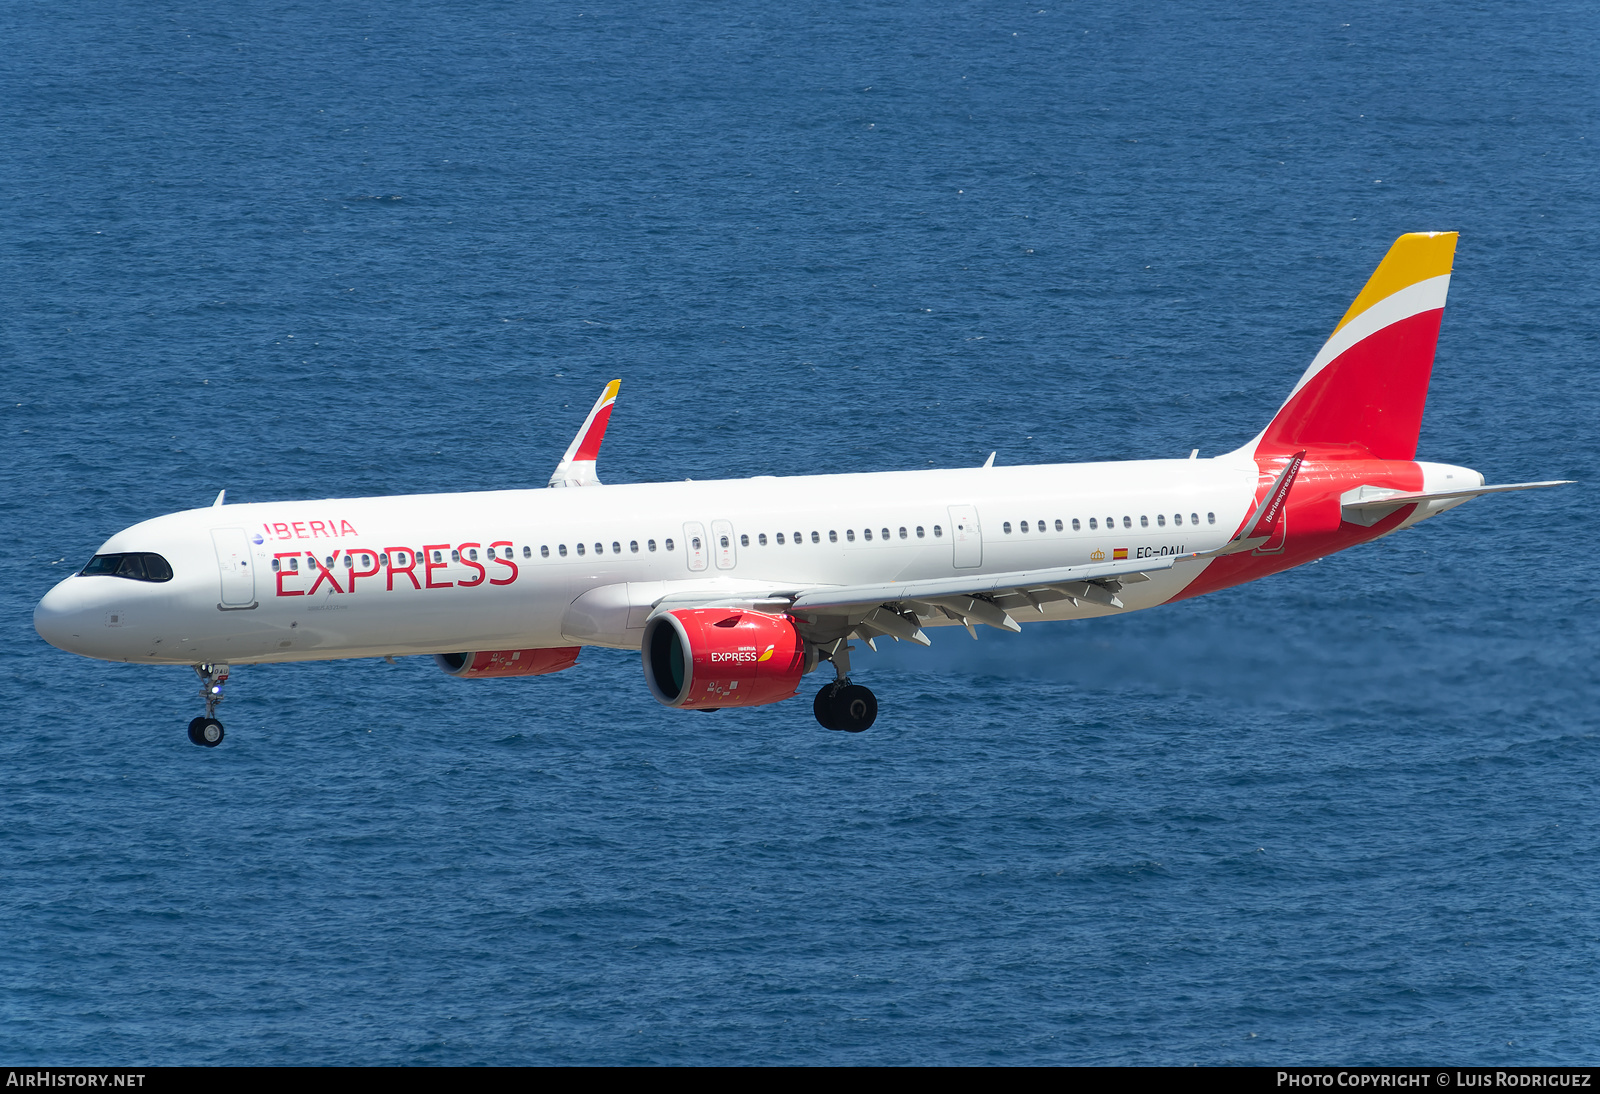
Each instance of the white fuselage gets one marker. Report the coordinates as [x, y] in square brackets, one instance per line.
[413, 575]
[527, 600]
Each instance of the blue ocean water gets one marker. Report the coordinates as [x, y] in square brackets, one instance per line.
[1343, 815]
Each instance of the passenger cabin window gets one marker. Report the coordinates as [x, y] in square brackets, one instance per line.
[616, 548]
[920, 533]
[1092, 524]
[580, 548]
[833, 537]
[902, 531]
[1144, 521]
[1127, 522]
[744, 541]
[695, 543]
[1024, 526]
[527, 552]
[866, 534]
[937, 531]
[544, 551]
[1076, 527]
[455, 556]
[562, 550]
[633, 545]
[886, 535]
[780, 539]
[1161, 521]
[723, 541]
[472, 553]
[650, 544]
[850, 534]
[762, 539]
[1211, 518]
[816, 537]
[274, 565]
[1006, 527]
[668, 545]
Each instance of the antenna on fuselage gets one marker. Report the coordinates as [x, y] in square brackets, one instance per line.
[221, 494]
[990, 461]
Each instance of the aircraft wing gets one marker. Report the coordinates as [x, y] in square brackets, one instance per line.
[577, 466]
[895, 609]
[828, 613]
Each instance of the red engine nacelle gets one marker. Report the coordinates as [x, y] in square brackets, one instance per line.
[709, 658]
[476, 666]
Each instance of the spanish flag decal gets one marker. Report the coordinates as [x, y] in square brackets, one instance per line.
[1119, 552]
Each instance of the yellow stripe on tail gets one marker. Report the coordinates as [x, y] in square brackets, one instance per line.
[1415, 256]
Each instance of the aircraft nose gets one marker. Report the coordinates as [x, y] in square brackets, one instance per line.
[64, 614]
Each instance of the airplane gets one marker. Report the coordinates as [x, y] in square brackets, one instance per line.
[734, 590]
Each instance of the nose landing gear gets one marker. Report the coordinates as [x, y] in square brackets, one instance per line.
[841, 704]
[206, 730]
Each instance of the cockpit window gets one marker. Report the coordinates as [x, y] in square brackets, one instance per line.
[139, 566]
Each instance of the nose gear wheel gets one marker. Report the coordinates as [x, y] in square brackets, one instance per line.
[206, 731]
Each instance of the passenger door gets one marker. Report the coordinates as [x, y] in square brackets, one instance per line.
[966, 536]
[694, 545]
[233, 559]
[722, 544]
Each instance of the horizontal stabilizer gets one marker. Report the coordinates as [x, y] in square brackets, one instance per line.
[1367, 505]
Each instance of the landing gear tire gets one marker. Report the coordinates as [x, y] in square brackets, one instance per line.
[849, 707]
[206, 732]
[822, 707]
[854, 708]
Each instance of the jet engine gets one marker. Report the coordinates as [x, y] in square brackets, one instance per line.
[710, 658]
[476, 666]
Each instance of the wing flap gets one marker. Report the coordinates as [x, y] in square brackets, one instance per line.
[951, 593]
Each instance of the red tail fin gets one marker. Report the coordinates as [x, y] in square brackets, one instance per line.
[1368, 385]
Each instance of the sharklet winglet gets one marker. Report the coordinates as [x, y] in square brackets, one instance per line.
[577, 466]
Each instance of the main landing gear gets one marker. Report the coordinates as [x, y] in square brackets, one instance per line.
[206, 730]
[841, 704]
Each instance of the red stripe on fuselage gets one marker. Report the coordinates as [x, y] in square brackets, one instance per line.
[1311, 515]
